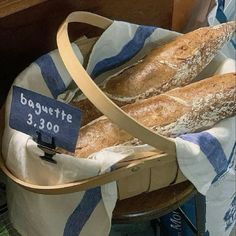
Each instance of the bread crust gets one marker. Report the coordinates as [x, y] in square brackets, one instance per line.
[182, 110]
[171, 65]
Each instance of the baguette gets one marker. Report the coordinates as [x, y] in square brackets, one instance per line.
[175, 64]
[188, 109]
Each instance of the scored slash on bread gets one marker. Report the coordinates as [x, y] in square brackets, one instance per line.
[182, 110]
[169, 66]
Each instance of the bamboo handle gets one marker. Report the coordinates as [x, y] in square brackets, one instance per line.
[95, 95]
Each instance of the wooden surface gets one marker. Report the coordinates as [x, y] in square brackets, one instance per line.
[190, 14]
[182, 12]
[8, 7]
[30, 33]
[148, 206]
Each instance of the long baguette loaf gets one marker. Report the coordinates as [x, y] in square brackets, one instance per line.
[182, 110]
[175, 64]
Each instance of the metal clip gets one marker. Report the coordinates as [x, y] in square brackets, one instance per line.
[47, 148]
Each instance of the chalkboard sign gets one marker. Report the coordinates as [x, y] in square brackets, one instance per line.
[33, 113]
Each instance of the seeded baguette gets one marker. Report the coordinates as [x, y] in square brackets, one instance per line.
[172, 65]
[194, 107]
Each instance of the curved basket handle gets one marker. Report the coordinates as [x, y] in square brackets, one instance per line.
[151, 159]
[94, 94]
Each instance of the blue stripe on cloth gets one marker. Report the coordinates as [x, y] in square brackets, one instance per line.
[229, 165]
[233, 43]
[211, 147]
[231, 157]
[230, 215]
[221, 4]
[128, 51]
[50, 75]
[81, 214]
[221, 17]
